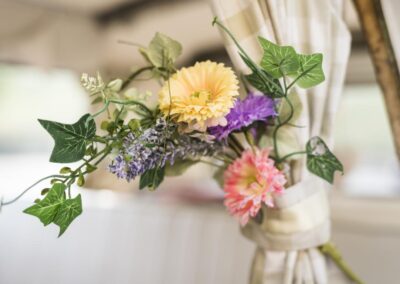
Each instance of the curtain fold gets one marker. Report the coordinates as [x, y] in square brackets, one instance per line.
[288, 236]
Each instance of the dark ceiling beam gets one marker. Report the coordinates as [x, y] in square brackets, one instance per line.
[127, 10]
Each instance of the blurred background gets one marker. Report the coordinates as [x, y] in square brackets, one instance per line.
[181, 234]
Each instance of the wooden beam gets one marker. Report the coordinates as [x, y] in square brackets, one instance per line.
[386, 68]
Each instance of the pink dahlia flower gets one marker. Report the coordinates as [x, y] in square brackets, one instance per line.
[250, 181]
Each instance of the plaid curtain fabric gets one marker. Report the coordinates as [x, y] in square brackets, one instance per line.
[286, 250]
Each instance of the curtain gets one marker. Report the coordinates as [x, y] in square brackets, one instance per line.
[288, 237]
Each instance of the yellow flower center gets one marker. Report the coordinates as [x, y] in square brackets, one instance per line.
[250, 184]
[201, 97]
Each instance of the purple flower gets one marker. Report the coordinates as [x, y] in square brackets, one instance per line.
[245, 112]
[154, 148]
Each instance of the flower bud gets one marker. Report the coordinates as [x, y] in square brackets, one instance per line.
[115, 85]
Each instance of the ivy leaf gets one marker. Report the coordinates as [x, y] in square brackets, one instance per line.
[54, 208]
[278, 60]
[152, 178]
[262, 81]
[67, 212]
[179, 167]
[70, 139]
[162, 51]
[258, 80]
[47, 208]
[321, 161]
[310, 72]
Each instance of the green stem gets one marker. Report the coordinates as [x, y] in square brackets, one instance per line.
[134, 75]
[275, 133]
[105, 106]
[234, 148]
[249, 139]
[104, 140]
[132, 102]
[99, 160]
[290, 155]
[126, 83]
[76, 171]
[223, 159]
[3, 203]
[215, 21]
[243, 52]
[119, 114]
[229, 156]
[330, 250]
[236, 142]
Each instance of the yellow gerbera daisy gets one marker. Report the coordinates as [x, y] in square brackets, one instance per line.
[200, 95]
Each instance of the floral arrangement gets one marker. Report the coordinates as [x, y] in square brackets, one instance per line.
[199, 118]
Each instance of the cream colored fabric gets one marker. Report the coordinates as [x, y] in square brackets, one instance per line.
[288, 234]
[300, 219]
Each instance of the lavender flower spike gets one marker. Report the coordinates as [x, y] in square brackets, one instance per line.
[155, 147]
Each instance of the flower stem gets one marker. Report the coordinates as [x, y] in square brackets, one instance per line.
[132, 102]
[134, 75]
[246, 57]
[234, 148]
[105, 106]
[3, 203]
[249, 139]
[237, 143]
[330, 250]
[230, 157]
[290, 155]
[275, 133]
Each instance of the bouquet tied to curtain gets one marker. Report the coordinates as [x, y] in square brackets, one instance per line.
[200, 118]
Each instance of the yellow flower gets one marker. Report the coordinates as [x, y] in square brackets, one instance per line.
[200, 95]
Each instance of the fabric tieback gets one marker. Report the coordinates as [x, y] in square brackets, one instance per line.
[300, 219]
[292, 231]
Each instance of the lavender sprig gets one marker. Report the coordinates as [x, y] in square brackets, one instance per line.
[155, 147]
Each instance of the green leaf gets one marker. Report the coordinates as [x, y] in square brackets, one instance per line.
[70, 139]
[152, 178]
[261, 80]
[179, 167]
[65, 170]
[134, 125]
[162, 51]
[310, 72]
[321, 161]
[47, 208]
[284, 108]
[258, 80]
[67, 212]
[90, 168]
[278, 60]
[81, 180]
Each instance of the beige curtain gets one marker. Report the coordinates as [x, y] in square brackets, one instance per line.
[289, 234]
